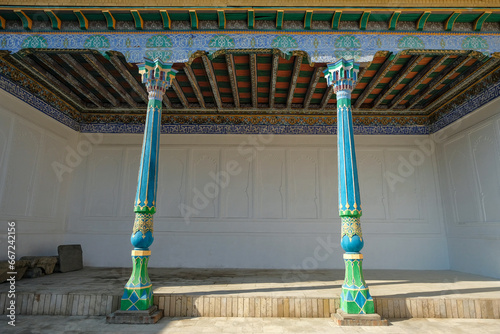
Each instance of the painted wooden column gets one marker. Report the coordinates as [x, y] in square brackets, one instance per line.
[355, 297]
[138, 294]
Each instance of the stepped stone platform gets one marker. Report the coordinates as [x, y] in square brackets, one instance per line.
[260, 293]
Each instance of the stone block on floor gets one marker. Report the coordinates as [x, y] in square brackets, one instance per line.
[20, 269]
[46, 263]
[70, 258]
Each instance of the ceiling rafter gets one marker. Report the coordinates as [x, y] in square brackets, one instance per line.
[417, 80]
[232, 79]
[312, 86]
[103, 72]
[450, 90]
[293, 83]
[381, 72]
[211, 79]
[178, 90]
[82, 72]
[442, 76]
[140, 90]
[274, 76]
[51, 63]
[194, 84]
[253, 78]
[326, 97]
[166, 102]
[465, 80]
[409, 66]
[52, 81]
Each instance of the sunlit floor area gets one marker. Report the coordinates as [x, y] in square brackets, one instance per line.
[260, 293]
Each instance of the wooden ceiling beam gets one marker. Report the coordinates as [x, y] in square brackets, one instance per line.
[166, 101]
[165, 18]
[326, 97]
[178, 90]
[27, 22]
[211, 79]
[231, 69]
[417, 80]
[48, 78]
[412, 62]
[478, 23]
[124, 71]
[381, 72]
[54, 20]
[437, 80]
[312, 85]
[478, 70]
[253, 78]
[103, 72]
[139, 22]
[51, 63]
[293, 82]
[82, 72]
[194, 84]
[110, 19]
[82, 19]
[393, 22]
[274, 76]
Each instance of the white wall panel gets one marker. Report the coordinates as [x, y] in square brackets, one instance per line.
[236, 181]
[270, 188]
[21, 169]
[469, 170]
[171, 182]
[203, 192]
[303, 190]
[103, 187]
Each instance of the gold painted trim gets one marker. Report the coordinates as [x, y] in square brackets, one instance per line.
[353, 256]
[141, 253]
[138, 288]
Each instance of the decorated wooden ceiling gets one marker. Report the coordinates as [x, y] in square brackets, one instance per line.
[74, 16]
[261, 86]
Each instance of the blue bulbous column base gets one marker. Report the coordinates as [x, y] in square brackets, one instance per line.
[138, 292]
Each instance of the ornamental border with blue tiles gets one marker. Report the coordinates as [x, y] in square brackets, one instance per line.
[37, 103]
[490, 93]
[322, 46]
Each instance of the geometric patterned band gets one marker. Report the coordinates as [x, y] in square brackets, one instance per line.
[144, 223]
[351, 226]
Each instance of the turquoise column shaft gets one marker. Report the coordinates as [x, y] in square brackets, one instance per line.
[355, 297]
[138, 292]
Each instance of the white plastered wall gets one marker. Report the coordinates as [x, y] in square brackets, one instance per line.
[30, 192]
[278, 210]
[469, 170]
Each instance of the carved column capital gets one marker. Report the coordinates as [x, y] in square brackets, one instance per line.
[157, 76]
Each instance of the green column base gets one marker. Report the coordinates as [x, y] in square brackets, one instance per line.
[355, 297]
[138, 292]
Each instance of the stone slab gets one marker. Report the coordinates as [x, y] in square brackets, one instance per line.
[70, 258]
[47, 263]
[150, 316]
[344, 319]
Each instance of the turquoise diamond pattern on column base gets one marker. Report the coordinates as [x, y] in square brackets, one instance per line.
[356, 301]
[137, 299]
